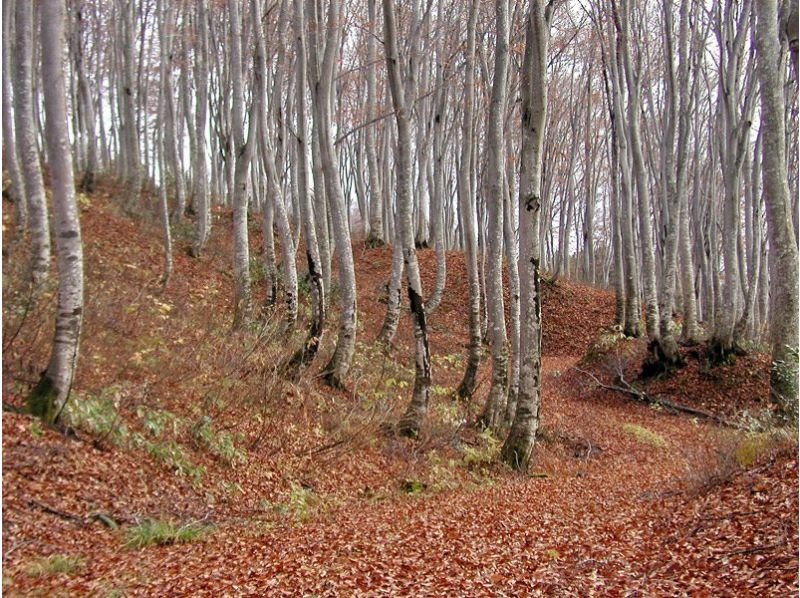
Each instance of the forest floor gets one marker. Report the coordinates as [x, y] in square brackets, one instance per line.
[260, 486]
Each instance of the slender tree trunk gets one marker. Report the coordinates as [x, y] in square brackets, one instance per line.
[411, 421]
[339, 365]
[202, 201]
[437, 202]
[495, 407]
[243, 149]
[512, 259]
[50, 395]
[274, 208]
[16, 188]
[26, 143]
[652, 315]
[392, 317]
[466, 200]
[306, 355]
[518, 446]
[375, 237]
[129, 95]
[165, 16]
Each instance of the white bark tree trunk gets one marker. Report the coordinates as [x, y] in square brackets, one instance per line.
[49, 397]
[518, 446]
[26, 143]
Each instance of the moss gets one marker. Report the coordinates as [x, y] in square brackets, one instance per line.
[41, 402]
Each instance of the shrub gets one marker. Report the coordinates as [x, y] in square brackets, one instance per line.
[163, 532]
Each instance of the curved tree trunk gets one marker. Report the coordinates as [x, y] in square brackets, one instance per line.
[322, 89]
[309, 350]
[410, 423]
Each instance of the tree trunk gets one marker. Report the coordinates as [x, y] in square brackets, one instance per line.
[306, 354]
[322, 89]
[243, 149]
[466, 200]
[49, 397]
[202, 201]
[26, 143]
[16, 188]
[411, 421]
[518, 446]
[495, 407]
[783, 323]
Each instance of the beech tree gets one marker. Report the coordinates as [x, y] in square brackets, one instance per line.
[411, 421]
[518, 446]
[771, 55]
[48, 398]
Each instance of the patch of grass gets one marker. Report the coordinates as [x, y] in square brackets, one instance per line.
[645, 435]
[52, 565]
[163, 532]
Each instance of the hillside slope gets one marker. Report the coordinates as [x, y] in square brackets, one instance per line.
[299, 489]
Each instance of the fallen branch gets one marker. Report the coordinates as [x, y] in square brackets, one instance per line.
[643, 397]
[753, 549]
[56, 512]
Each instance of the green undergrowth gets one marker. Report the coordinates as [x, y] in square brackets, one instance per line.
[159, 432]
[163, 532]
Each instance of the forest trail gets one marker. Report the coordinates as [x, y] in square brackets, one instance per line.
[619, 498]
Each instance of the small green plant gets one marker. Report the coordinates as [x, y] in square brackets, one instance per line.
[449, 412]
[442, 473]
[98, 415]
[220, 444]
[53, 564]
[155, 421]
[174, 455]
[412, 486]
[36, 428]
[163, 532]
[230, 488]
[302, 501]
[486, 452]
[785, 377]
[645, 435]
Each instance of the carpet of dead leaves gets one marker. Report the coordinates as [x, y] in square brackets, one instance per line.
[602, 511]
